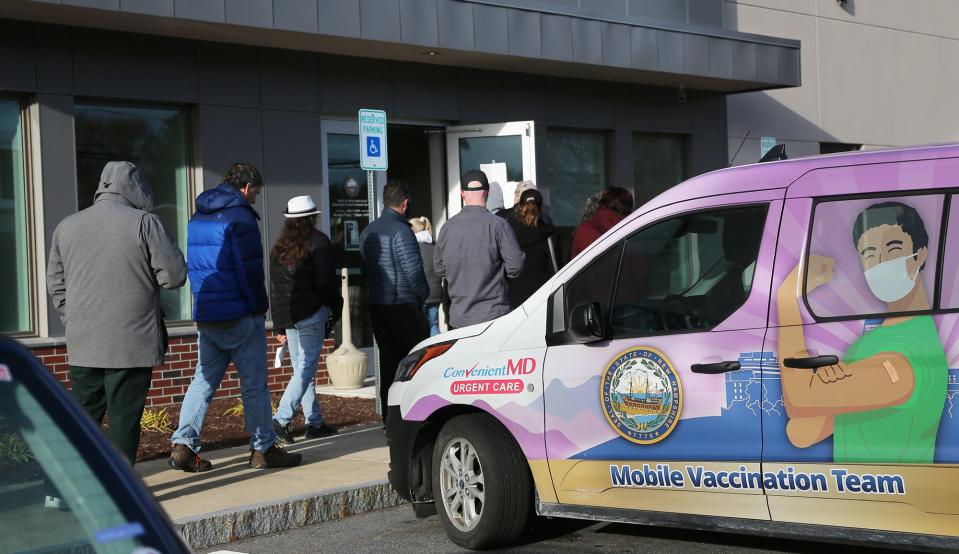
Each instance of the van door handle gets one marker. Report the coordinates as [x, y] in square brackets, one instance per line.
[718, 367]
[813, 362]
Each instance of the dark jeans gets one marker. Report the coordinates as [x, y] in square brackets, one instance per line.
[120, 394]
[397, 328]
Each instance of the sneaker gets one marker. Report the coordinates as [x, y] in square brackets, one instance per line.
[55, 503]
[185, 459]
[321, 431]
[274, 457]
[284, 433]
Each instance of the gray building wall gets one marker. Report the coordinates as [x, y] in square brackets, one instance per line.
[265, 106]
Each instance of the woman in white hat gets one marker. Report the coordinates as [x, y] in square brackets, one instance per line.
[305, 298]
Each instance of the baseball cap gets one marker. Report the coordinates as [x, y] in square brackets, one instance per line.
[474, 175]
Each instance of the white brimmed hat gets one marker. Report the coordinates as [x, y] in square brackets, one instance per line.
[300, 206]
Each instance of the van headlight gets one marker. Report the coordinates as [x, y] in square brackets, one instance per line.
[415, 360]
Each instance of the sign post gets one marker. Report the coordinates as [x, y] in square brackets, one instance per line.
[373, 157]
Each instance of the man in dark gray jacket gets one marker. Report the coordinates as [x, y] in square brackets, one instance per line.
[475, 253]
[107, 266]
[395, 282]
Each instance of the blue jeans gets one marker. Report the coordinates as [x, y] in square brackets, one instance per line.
[305, 341]
[243, 343]
[432, 313]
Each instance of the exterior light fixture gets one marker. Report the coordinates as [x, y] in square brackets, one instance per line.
[430, 53]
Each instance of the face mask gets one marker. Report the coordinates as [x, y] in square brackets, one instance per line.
[890, 281]
[424, 236]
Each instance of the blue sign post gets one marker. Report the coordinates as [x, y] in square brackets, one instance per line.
[373, 157]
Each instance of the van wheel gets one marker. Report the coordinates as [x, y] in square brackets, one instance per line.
[481, 482]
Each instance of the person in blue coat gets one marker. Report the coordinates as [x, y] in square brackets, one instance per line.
[396, 284]
[225, 266]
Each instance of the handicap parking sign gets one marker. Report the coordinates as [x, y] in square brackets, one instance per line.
[373, 153]
[373, 147]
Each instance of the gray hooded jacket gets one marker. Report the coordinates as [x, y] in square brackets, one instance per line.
[107, 266]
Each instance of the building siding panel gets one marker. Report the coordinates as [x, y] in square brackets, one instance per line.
[251, 13]
[616, 45]
[348, 84]
[588, 41]
[455, 24]
[201, 10]
[296, 15]
[229, 74]
[227, 135]
[18, 70]
[490, 29]
[524, 34]
[418, 22]
[380, 20]
[339, 18]
[136, 67]
[557, 37]
[162, 8]
[290, 80]
[643, 48]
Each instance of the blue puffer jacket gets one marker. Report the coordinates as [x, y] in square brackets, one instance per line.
[392, 262]
[225, 257]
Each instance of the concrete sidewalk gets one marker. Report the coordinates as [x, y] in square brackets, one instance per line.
[340, 475]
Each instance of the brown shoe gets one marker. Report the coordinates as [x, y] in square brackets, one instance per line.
[274, 457]
[185, 459]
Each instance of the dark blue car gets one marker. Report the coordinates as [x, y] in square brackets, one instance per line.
[63, 487]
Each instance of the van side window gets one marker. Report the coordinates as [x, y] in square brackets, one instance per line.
[595, 283]
[950, 261]
[873, 256]
[687, 273]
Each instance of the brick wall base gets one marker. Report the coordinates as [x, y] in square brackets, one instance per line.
[171, 380]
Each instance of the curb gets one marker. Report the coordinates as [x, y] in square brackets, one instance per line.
[226, 526]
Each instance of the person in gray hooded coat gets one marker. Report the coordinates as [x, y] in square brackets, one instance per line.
[107, 266]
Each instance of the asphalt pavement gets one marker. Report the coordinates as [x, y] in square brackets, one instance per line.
[397, 530]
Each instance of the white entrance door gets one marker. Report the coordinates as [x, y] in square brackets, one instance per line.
[505, 151]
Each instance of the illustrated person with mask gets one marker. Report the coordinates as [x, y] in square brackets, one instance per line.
[883, 401]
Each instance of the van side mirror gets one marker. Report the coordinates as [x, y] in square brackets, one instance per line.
[586, 323]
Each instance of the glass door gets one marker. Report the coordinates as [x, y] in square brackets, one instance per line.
[504, 151]
[347, 211]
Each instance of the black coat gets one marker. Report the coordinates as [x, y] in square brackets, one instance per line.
[436, 285]
[297, 293]
[534, 241]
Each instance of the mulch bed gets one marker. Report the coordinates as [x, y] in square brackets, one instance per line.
[223, 428]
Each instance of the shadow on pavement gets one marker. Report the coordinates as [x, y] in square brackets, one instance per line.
[236, 459]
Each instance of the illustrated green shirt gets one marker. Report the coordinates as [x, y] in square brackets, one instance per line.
[905, 433]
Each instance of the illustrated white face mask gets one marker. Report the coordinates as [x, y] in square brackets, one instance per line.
[890, 281]
[424, 236]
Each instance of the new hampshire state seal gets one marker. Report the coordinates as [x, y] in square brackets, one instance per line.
[641, 395]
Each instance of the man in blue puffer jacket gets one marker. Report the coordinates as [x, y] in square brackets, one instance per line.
[225, 265]
[395, 282]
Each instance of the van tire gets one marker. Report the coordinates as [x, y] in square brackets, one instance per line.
[507, 486]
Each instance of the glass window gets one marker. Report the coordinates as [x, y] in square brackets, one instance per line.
[950, 262]
[687, 273]
[50, 498]
[14, 253]
[155, 139]
[659, 162]
[577, 170]
[595, 283]
[506, 149]
[873, 255]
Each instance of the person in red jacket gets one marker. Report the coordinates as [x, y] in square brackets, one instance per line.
[615, 204]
